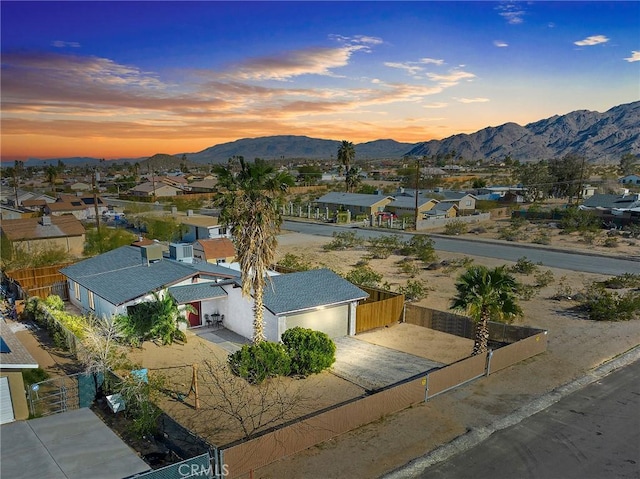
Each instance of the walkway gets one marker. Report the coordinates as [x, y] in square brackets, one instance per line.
[227, 340]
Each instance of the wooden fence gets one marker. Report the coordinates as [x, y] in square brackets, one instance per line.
[42, 281]
[380, 309]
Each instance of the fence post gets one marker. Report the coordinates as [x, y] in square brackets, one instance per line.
[487, 369]
[426, 388]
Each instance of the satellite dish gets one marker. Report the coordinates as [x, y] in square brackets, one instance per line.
[35, 387]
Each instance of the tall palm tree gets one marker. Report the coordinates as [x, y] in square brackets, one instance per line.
[346, 154]
[250, 210]
[486, 294]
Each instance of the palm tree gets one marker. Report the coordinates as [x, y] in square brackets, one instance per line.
[249, 209]
[346, 154]
[486, 294]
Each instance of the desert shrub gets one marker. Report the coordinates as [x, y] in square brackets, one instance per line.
[257, 362]
[364, 276]
[343, 240]
[524, 266]
[310, 352]
[589, 237]
[381, 247]
[625, 280]
[603, 305]
[509, 234]
[414, 290]
[611, 242]
[543, 278]
[575, 219]
[526, 292]
[455, 227]
[408, 266]
[420, 246]
[140, 397]
[517, 222]
[542, 237]
[294, 262]
[449, 266]
[563, 290]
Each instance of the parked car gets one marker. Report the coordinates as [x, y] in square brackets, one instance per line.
[386, 215]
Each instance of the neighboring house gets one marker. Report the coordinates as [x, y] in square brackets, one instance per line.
[588, 191]
[109, 283]
[82, 207]
[357, 204]
[204, 186]
[11, 213]
[8, 196]
[406, 205]
[202, 227]
[466, 202]
[14, 358]
[80, 187]
[219, 250]
[630, 180]
[442, 210]
[38, 234]
[154, 189]
[603, 201]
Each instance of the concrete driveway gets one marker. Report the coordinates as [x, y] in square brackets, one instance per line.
[373, 367]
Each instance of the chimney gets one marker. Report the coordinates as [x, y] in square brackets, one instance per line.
[45, 221]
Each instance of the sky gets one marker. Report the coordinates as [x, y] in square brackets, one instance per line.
[128, 79]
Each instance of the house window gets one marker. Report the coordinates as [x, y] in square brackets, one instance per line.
[467, 203]
[76, 290]
[91, 302]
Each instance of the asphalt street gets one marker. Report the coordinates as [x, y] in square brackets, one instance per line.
[592, 433]
[508, 252]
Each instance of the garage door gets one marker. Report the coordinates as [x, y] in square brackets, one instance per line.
[6, 407]
[332, 321]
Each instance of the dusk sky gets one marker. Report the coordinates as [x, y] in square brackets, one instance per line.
[131, 79]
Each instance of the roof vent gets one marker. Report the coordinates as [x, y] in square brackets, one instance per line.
[151, 254]
[45, 221]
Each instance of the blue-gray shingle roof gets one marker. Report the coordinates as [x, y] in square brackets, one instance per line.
[293, 292]
[119, 275]
[351, 199]
[196, 292]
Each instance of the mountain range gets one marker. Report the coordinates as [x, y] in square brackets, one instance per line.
[595, 136]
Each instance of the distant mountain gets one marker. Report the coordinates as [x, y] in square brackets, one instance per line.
[591, 134]
[295, 148]
[594, 135]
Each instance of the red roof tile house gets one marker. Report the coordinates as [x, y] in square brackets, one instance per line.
[219, 250]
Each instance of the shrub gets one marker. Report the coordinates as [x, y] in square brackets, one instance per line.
[420, 246]
[364, 276]
[381, 247]
[407, 266]
[563, 290]
[575, 219]
[603, 305]
[32, 376]
[544, 278]
[543, 237]
[611, 242]
[343, 240]
[310, 351]
[526, 292]
[524, 266]
[625, 280]
[54, 303]
[509, 234]
[455, 227]
[257, 362]
[294, 262]
[414, 290]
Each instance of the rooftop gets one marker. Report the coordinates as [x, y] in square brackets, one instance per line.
[32, 228]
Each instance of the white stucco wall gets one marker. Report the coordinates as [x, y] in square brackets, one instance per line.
[239, 317]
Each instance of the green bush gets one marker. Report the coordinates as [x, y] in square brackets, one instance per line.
[32, 376]
[455, 227]
[257, 362]
[414, 290]
[381, 247]
[364, 276]
[603, 305]
[343, 240]
[54, 303]
[310, 351]
[420, 246]
[524, 266]
[542, 237]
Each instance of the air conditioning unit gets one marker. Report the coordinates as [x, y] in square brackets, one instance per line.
[151, 254]
[181, 252]
[45, 221]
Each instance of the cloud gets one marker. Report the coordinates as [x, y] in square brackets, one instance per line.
[635, 57]
[411, 68]
[63, 44]
[452, 78]
[432, 60]
[436, 105]
[512, 12]
[592, 40]
[500, 44]
[472, 100]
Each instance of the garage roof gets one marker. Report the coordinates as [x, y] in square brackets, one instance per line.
[293, 292]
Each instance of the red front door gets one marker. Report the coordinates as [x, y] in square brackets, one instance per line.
[194, 318]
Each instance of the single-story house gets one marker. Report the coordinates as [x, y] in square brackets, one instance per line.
[608, 202]
[465, 201]
[406, 205]
[357, 204]
[12, 213]
[630, 180]
[14, 358]
[204, 186]
[108, 284]
[442, 210]
[38, 234]
[216, 250]
[79, 186]
[157, 189]
[82, 207]
[201, 227]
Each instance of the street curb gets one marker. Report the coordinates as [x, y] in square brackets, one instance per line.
[476, 436]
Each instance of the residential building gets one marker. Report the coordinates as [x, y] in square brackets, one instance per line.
[38, 234]
[357, 204]
[630, 180]
[201, 227]
[218, 250]
[204, 186]
[151, 189]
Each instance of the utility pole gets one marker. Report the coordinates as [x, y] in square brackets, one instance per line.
[417, 192]
[95, 200]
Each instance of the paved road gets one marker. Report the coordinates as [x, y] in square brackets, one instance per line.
[556, 259]
[592, 433]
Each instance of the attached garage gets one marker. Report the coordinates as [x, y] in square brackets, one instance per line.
[6, 406]
[332, 321]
